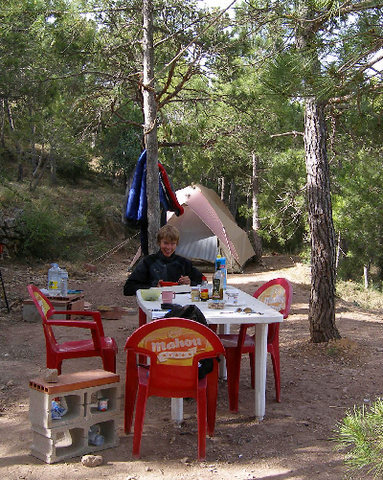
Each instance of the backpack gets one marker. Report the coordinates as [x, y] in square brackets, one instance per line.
[192, 312]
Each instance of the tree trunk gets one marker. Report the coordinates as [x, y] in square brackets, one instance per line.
[2, 123]
[366, 269]
[256, 241]
[150, 128]
[53, 169]
[39, 171]
[233, 198]
[221, 188]
[322, 294]
[19, 150]
[337, 255]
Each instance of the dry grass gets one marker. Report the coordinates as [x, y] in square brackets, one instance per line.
[368, 299]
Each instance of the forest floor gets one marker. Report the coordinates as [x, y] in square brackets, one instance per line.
[319, 383]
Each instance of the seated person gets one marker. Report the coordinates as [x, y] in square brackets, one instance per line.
[164, 265]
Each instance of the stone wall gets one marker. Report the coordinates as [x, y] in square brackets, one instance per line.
[10, 233]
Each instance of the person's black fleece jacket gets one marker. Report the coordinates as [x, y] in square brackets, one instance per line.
[155, 267]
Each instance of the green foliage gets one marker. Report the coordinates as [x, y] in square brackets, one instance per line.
[282, 201]
[73, 171]
[360, 437]
[71, 223]
[42, 232]
[358, 209]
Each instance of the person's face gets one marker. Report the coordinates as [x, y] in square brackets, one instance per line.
[167, 247]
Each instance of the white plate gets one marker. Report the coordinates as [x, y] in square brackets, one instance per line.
[179, 288]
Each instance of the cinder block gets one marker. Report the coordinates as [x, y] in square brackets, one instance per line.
[40, 409]
[112, 393]
[67, 437]
[59, 444]
[108, 429]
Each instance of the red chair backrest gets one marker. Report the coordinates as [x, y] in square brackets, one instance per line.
[43, 305]
[276, 293]
[174, 346]
[45, 309]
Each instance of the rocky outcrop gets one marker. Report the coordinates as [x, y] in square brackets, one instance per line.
[11, 235]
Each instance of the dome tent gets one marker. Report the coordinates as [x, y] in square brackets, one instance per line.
[207, 226]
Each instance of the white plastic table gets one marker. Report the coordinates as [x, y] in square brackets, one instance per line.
[261, 316]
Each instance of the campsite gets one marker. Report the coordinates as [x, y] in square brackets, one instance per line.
[319, 384]
[253, 127]
[205, 223]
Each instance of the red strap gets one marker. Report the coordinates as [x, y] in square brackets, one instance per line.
[169, 190]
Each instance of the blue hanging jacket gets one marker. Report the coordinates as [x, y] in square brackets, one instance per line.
[136, 205]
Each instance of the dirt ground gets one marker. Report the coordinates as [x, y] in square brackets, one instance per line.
[319, 383]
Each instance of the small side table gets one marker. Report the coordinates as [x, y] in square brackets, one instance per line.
[73, 301]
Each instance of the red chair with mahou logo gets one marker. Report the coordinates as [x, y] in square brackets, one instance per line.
[276, 293]
[174, 347]
[96, 346]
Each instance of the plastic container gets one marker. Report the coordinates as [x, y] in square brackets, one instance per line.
[220, 263]
[58, 409]
[195, 294]
[63, 282]
[94, 436]
[54, 279]
[204, 291]
[218, 279]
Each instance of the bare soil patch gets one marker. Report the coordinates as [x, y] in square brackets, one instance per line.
[319, 384]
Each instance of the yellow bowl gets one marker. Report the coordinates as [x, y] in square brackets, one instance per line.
[150, 294]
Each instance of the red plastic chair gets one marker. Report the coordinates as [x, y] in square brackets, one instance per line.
[276, 293]
[174, 347]
[97, 346]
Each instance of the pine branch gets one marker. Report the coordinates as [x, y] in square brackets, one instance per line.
[294, 133]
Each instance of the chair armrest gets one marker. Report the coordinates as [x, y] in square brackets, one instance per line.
[87, 313]
[90, 325]
[73, 323]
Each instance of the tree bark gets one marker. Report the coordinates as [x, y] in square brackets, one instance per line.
[233, 198]
[38, 173]
[53, 169]
[366, 269]
[322, 294]
[2, 123]
[150, 128]
[256, 241]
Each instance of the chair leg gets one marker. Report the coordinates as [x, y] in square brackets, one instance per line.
[139, 420]
[212, 394]
[233, 366]
[53, 361]
[201, 419]
[109, 360]
[130, 400]
[274, 352]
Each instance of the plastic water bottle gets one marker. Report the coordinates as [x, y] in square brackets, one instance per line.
[54, 279]
[94, 436]
[223, 268]
[63, 282]
[217, 293]
[220, 264]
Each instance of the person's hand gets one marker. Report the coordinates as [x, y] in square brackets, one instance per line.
[159, 283]
[184, 280]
